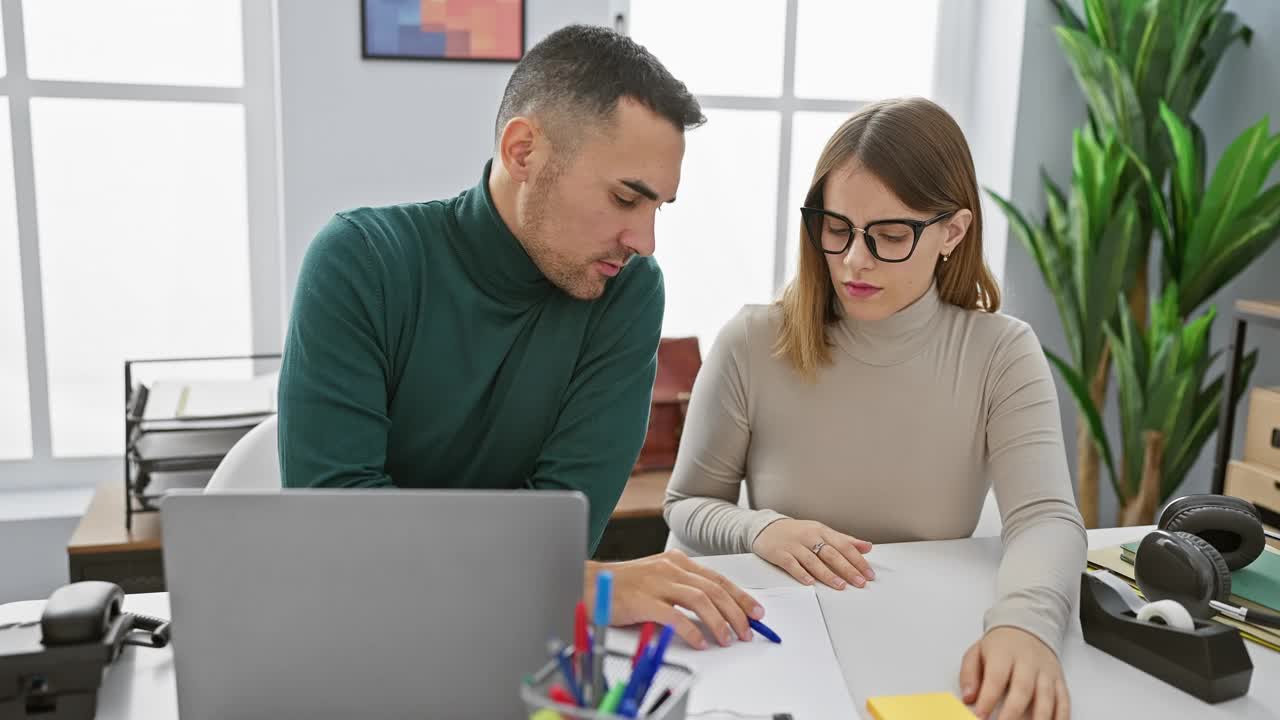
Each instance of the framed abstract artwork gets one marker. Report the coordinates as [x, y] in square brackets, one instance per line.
[476, 30]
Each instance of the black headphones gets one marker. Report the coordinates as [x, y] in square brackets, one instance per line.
[1200, 539]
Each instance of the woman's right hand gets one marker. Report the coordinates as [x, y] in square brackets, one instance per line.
[789, 544]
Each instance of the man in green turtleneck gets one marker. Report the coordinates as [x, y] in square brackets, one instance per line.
[507, 337]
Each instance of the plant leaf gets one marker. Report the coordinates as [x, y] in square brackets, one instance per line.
[1106, 271]
[1236, 182]
[1196, 24]
[1148, 61]
[1252, 234]
[1068, 15]
[1187, 174]
[1207, 406]
[1209, 34]
[1084, 403]
[1107, 88]
[1130, 356]
[1168, 235]
[1046, 253]
[1101, 29]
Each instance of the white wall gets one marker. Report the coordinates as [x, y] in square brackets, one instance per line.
[997, 50]
[367, 132]
[1050, 106]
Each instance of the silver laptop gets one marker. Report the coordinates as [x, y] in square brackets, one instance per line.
[368, 603]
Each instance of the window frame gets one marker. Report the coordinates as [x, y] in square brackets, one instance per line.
[951, 82]
[259, 97]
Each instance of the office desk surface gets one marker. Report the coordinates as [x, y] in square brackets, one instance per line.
[905, 633]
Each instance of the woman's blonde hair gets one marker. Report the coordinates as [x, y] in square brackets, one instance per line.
[916, 149]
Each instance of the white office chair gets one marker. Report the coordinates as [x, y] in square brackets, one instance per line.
[989, 522]
[253, 463]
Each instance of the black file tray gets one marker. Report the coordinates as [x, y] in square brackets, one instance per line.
[1209, 662]
[165, 453]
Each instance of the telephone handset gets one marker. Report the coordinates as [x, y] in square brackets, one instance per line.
[88, 611]
[52, 669]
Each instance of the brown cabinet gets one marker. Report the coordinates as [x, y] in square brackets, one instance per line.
[1258, 312]
[1262, 427]
[102, 549]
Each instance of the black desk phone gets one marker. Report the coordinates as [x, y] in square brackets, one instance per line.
[52, 669]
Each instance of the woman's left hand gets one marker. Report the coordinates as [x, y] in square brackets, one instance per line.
[1015, 665]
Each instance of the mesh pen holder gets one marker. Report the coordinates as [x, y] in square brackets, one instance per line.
[617, 669]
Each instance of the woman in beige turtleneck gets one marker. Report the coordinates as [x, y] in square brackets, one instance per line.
[882, 397]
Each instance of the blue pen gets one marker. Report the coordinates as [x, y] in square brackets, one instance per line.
[566, 669]
[627, 707]
[632, 698]
[763, 630]
[633, 684]
[604, 600]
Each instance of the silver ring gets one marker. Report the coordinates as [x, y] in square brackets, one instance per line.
[818, 548]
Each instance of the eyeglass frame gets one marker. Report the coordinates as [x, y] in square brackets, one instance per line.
[918, 226]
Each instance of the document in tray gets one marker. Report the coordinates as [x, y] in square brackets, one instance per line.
[209, 399]
[224, 398]
[800, 676]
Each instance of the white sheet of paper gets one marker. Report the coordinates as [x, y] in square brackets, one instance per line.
[799, 676]
[222, 398]
[162, 401]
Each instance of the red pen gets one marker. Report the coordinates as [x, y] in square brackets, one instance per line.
[582, 648]
[562, 696]
[646, 634]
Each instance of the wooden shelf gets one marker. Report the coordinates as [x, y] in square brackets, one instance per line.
[1269, 309]
[101, 548]
[101, 530]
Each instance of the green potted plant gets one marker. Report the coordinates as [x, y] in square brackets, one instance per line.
[1138, 173]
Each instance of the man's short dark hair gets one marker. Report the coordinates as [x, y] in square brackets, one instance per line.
[573, 79]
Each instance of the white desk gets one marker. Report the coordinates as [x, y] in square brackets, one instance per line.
[934, 590]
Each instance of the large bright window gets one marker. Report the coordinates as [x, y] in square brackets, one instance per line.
[152, 42]
[143, 247]
[15, 408]
[716, 245]
[865, 49]
[774, 81]
[130, 210]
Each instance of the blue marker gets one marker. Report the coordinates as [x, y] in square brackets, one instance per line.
[566, 669]
[643, 677]
[628, 706]
[763, 630]
[604, 600]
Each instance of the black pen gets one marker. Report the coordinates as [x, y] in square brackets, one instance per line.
[666, 693]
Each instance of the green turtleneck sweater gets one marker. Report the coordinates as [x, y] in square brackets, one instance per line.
[426, 350]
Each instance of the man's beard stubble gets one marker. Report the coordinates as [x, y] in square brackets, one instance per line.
[575, 280]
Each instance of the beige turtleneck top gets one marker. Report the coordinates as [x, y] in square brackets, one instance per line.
[899, 439]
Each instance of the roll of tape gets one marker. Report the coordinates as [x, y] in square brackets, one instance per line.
[1126, 592]
[1167, 612]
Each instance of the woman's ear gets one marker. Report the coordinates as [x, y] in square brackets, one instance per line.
[956, 226]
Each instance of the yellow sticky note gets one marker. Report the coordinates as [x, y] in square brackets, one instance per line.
[925, 706]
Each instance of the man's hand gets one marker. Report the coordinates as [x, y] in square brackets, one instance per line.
[651, 588]
[1014, 665]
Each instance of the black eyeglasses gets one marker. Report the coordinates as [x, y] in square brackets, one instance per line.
[888, 240]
